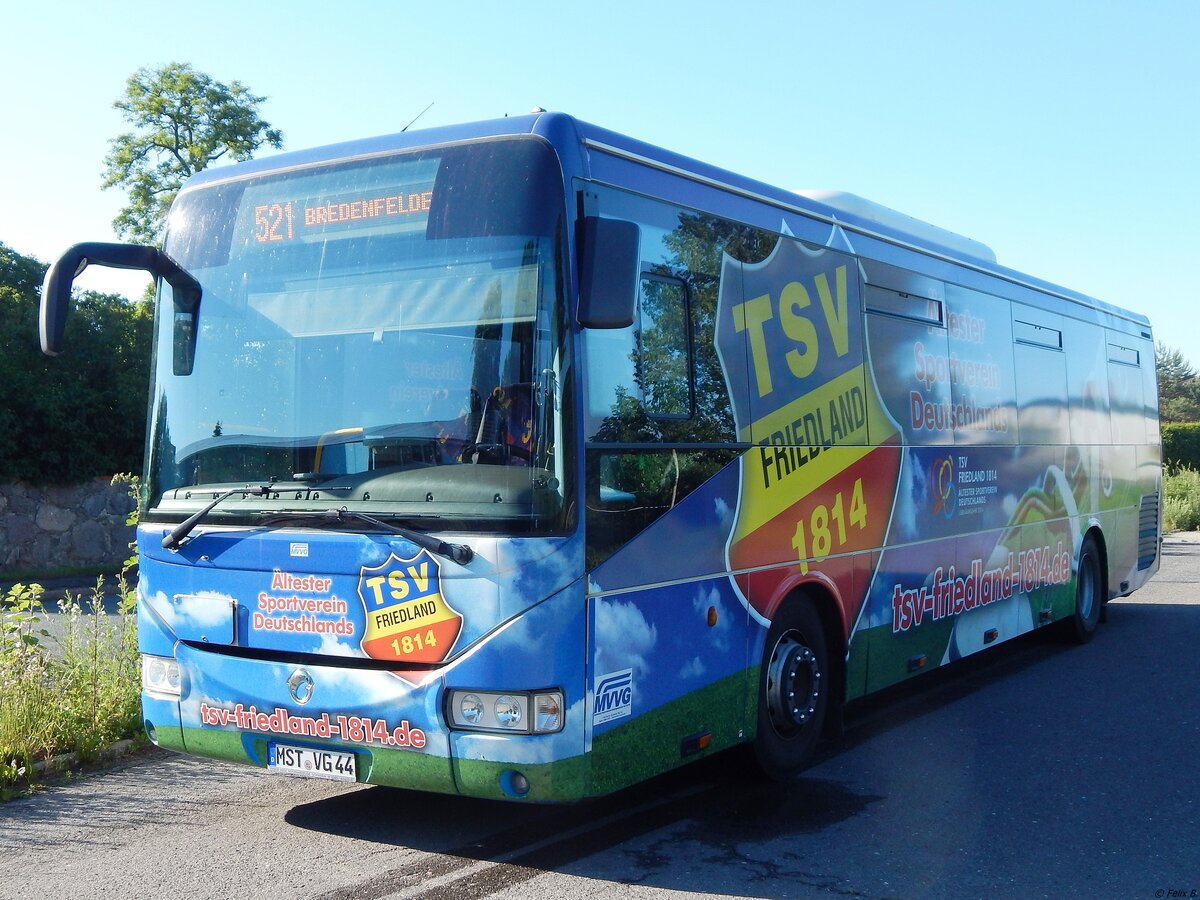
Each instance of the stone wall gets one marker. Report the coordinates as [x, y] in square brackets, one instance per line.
[46, 528]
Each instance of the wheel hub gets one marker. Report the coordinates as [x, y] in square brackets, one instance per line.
[793, 685]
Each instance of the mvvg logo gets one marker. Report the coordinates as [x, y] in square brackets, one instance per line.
[613, 696]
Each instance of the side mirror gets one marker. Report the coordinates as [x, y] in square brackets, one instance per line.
[610, 263]
[56, 292]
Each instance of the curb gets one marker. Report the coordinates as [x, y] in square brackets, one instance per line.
[54, 589]
[1181, 537]
[65, 764]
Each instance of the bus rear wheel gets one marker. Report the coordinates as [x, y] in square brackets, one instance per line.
[793, 691]
[1089, 594]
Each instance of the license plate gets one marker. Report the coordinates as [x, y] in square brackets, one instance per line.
[306, 762]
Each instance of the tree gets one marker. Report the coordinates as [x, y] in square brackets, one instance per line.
[1178, 386]
[21, 273]
[82, 414]
[184, 121]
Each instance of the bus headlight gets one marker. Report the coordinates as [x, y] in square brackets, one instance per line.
[161, 676]
[507, 713]
[470, 708]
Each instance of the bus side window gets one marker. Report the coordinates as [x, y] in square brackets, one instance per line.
[628, 490]
[1087, 382]
[1150, 389]
[643, 371]
[1041, 368]
[981, 367]
[910, 356]
[664, 364]
[1125, 390]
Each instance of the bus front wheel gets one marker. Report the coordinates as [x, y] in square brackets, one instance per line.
[793, 691]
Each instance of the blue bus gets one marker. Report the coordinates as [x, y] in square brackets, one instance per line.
[525, 460]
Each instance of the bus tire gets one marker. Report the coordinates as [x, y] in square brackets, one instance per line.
[793, 693]
[1089, 593]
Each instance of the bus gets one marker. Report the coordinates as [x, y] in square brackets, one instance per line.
[525, 460]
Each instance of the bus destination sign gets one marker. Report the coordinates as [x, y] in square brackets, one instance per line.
[283, 221]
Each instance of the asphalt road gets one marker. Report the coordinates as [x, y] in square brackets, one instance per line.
[1035, 770]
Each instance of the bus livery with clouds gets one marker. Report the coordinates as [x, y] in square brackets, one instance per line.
[525, 460]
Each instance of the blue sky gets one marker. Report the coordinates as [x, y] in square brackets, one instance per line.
[1062, 134]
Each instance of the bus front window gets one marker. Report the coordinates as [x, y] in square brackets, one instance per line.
[380, 335]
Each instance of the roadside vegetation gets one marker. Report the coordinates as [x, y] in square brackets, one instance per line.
[73, 692]
[65, 420]
[1181, 499]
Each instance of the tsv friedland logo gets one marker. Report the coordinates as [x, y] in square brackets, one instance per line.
[943, 486]
[613, 696]
[408, 619]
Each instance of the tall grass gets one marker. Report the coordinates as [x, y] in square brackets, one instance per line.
[73, 692]
[1181, 499]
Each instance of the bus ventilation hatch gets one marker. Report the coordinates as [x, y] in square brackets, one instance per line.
[1148, 531]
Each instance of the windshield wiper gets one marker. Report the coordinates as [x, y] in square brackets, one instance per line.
[460, 553]
[184, 528]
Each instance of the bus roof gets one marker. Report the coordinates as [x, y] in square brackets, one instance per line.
[575, 139]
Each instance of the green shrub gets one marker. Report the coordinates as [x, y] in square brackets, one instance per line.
[1181, 499]
[1181, 445]
[79, 415]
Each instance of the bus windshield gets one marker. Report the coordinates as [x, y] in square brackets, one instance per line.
[380, 334]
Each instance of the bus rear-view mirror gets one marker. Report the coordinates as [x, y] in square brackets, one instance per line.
[56, 293]
[609, 268]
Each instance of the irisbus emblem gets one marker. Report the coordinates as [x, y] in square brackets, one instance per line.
[300, 686]
[408, 619]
